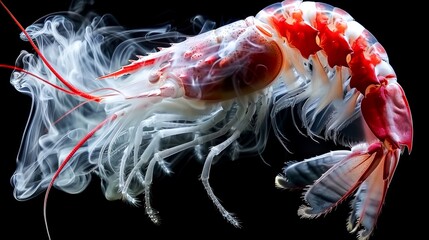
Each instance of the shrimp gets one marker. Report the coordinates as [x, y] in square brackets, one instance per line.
[206, 95]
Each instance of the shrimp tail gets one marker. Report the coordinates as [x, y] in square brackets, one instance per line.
[380, 102]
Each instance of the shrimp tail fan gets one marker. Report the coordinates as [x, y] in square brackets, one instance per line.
[331, 178]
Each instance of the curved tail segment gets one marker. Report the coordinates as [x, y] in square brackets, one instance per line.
[329, 37]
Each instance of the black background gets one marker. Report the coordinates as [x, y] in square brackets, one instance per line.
[245, 186]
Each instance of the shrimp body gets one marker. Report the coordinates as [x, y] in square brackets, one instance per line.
[206, 94]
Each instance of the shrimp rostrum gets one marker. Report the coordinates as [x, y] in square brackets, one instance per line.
[204, 95]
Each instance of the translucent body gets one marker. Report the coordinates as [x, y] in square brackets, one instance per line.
[207, 95]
